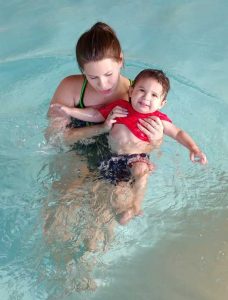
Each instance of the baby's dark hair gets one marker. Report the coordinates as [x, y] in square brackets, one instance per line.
[98, 43]
[159, 75]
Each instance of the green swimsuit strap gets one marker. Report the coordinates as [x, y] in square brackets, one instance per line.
[84, 84]
[81, 100]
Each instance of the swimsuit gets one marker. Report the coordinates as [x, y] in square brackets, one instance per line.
[75, 123]
[132, 118]
[97, 149]
[117, 168]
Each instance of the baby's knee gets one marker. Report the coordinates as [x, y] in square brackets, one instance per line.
[139, 169]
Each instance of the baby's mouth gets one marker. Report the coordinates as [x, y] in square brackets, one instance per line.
[143, 104]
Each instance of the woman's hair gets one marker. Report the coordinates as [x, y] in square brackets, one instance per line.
[98, 43]
[157, 75]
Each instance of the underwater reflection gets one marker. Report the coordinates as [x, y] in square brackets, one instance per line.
[80, 214]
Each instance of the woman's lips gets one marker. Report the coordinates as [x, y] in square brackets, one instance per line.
[105, 92]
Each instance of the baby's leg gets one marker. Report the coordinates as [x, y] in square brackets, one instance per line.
[140, 172]
[122, 197]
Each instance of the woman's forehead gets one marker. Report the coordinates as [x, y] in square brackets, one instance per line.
[100, 67]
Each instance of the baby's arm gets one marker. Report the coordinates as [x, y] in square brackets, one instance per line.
[196, 155]
[85, 114]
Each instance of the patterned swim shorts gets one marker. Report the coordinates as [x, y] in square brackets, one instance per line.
[117, 168]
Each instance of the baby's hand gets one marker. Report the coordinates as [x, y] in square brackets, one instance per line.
[198, 156]
[117, 112]
[56, 105]
[64, 108]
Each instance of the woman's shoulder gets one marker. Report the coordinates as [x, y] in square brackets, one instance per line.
[69, 89]
[72, 81]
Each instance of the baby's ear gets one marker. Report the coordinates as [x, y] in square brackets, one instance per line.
[121, 55]
[130, 91]
[164, 101]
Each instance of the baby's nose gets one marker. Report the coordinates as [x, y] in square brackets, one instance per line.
[148, 97]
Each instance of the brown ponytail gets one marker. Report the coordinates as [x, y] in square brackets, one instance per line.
[98, 43]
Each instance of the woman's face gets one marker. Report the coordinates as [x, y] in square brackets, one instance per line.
[103, 75]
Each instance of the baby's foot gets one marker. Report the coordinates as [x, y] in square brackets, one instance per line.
[128, 215]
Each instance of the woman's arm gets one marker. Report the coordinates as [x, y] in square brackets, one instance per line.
[73, 135]
[58, 129]
[66, 94]
[85, 114]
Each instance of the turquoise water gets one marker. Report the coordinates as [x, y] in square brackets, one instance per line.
[179, 248]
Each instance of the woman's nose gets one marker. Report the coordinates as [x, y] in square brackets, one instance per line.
[102, 83]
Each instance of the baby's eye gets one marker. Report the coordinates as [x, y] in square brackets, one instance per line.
[141, 90]
[154, 96]
[109, 74]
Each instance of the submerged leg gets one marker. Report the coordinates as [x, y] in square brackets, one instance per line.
[140, 172]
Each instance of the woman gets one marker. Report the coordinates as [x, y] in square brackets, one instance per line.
[100, 60]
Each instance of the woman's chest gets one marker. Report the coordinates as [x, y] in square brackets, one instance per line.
[97, 100]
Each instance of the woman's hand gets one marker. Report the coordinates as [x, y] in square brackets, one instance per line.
[117, 112]
[153, 129]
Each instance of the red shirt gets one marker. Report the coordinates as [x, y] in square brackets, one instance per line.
[131, 119]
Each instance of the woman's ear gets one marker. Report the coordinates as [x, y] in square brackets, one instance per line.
[121, 59]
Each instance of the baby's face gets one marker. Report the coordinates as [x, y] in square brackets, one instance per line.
[147, 96]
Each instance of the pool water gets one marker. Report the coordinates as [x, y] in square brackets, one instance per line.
[179, 248]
